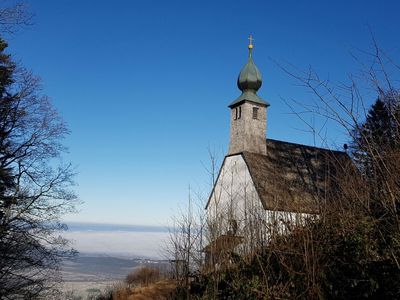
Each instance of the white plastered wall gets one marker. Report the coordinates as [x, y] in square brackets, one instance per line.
[233, 193]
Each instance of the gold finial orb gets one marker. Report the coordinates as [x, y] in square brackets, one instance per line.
[251, 42]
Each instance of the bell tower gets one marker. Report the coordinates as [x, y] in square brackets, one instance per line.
[248, 112]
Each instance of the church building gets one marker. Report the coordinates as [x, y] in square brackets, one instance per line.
[264, 185]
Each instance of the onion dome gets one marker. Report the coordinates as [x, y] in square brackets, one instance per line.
[249, 81]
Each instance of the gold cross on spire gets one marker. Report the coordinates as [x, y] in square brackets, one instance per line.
[251, 41]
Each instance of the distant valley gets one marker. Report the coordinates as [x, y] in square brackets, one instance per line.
[88, 274]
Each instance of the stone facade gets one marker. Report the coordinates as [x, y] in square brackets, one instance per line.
[248, 128]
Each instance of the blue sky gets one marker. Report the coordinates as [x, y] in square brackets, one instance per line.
[144, 85]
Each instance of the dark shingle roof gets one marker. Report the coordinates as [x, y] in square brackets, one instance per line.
[294, 177]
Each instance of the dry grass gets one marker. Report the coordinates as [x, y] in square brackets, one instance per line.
[161, 290]
[143, 276]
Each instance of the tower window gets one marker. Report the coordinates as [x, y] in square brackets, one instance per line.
[255, 112]
[238, 113]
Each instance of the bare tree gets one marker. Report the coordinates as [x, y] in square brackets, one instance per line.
[14, 16]
[185, 246]
[35, 185]
[363, 210]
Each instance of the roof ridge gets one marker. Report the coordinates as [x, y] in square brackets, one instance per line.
[304, 145]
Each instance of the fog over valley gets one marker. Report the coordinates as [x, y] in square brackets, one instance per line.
[126, 241]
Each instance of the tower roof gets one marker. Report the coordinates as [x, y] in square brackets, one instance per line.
[249, 81]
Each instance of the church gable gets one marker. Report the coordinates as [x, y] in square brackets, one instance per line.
[233, 186]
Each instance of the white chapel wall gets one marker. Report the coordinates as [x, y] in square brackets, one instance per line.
[234, 193]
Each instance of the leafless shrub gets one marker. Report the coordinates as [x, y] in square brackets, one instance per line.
[143, 276]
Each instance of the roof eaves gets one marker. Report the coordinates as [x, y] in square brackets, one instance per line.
[254, 182]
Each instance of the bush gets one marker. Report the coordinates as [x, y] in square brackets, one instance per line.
[143, 276]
